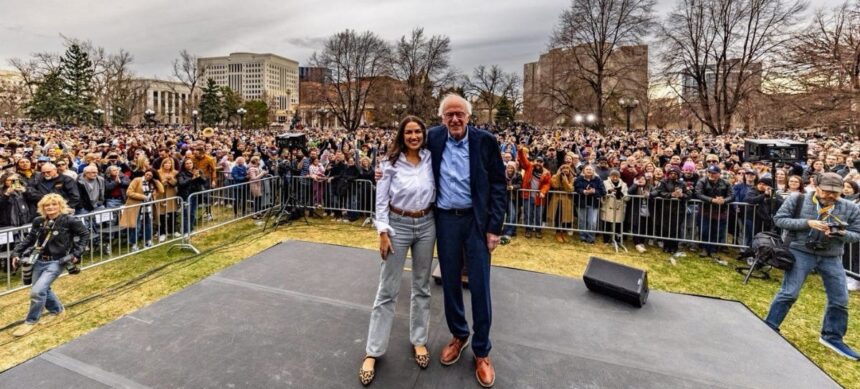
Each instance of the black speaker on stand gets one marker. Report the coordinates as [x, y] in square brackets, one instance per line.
[618, 281]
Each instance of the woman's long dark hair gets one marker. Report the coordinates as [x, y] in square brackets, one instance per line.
[399, 144]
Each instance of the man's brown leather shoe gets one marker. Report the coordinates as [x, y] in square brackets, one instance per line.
[484, 371]
[451, 352]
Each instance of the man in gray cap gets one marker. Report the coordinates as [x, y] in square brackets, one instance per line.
[818, 236]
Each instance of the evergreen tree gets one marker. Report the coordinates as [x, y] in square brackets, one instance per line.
[258, 114]
[47, 102]
[504, 112]
[210, 104]
[230, 102]
[76, 71]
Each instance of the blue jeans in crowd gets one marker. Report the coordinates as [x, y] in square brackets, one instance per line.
[532, 214]
[587, 221]
[511, 219]
[189, 214]
[144, 221]
[713, 230]
[41, 295]
[832, 275]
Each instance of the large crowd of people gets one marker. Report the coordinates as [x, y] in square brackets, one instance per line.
[677, 185]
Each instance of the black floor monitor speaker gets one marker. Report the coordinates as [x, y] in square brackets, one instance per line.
[622, 282]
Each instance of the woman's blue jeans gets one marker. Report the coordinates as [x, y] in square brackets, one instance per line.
[41, 295]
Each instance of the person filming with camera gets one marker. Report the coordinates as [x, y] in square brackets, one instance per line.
[818, 229]
[56, 241]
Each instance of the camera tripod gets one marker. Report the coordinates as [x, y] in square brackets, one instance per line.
[283, 214]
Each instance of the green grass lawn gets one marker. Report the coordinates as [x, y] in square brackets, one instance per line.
[109, 291]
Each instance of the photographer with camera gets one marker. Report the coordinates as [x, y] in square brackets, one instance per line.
[823, 224]
[56, 241]
[14, 209]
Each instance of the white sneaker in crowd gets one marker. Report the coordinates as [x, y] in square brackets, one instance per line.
[853, 284]
[148, 244]
[162, 238]
[177, 234]
[640, 248]
[134, 247]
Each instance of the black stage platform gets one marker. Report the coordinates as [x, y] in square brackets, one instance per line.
[296, 316]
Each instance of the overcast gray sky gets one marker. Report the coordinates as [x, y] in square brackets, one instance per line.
[504, 32]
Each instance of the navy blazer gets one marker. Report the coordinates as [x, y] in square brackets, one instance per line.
[487, 175]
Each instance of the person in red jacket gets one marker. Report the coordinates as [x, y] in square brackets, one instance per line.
[536, 181]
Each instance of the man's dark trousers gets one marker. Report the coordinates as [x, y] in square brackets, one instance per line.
[457, 241]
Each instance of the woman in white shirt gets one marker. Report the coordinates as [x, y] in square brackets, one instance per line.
[404, 219]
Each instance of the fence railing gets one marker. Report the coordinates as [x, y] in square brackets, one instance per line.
[114, 233]
[120, 232]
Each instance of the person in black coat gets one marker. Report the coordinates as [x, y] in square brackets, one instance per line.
[49, 181]
[716, 194]
[190, 180]
[673, 194]
[761, 197]
[56, 240]
[15, 210]
[515, 182]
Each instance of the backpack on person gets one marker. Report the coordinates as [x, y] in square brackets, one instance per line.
[770, 249]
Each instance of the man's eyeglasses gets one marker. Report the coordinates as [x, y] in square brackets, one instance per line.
[451, 115]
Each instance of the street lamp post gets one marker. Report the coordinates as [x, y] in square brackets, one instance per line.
[591, 119]
[149, 116]
[628, 104]
[99, 112]
[241, 112]
[194, 114]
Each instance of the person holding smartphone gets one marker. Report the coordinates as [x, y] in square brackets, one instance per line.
[405, 221]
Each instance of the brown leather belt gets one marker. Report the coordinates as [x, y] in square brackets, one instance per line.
[401, 212]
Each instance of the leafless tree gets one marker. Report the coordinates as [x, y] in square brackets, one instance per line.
[718, 52]
[821, 69]
[186, 69]
[357, 62]
[591, 32]
[487, 86]
[423, 65]
[34, 68]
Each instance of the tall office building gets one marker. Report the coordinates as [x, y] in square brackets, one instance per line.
[268, 77]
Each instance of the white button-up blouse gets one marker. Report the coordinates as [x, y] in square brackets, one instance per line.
[405, 186]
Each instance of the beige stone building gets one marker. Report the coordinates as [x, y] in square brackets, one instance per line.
[13, 95]
[171, 101]
[553, 92]
[268, 77]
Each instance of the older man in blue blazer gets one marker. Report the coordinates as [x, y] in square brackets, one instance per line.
[470, 212]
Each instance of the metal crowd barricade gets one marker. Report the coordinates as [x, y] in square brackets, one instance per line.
[588, 216]
[217, 207]
[343, 198]
[851, 259]
[114, 233]
[691, 221]
[639, 217]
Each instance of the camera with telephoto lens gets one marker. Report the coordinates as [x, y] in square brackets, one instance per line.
[26, 265]
[70, 266]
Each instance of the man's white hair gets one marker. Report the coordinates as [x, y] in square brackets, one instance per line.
[452, 97]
